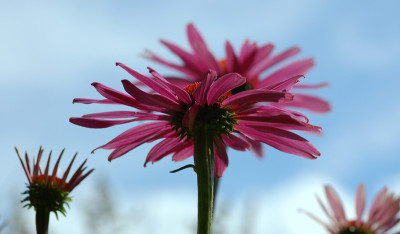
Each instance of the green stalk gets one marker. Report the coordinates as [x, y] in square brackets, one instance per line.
[42, 220]
[204, 166]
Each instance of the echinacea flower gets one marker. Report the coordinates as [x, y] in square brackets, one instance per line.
[382, 215]
[175, 112]
[255, 63]
[47, 192]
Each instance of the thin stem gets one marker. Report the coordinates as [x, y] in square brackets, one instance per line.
[204, 165]
[42, 220]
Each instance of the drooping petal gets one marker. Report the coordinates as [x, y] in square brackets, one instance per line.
[250, 97]
[163, 149]
[128, 114]
[312, 86]
[97, 123]
[184, 153]
[308, 102]
[256, 147]
[221, 158]
[112, 114]
[285, 85]
[236, 142]
[276, 122]
[297, 68]
[91, 101]
[280, 139]
[141, 133]
[124, 146]
[224, 84]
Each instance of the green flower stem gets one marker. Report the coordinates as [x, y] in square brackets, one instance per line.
[204, 166]
[42, 220]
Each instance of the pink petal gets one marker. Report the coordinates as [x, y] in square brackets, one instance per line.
[90, 101]
[184, 153]
[200, 48]
[265, 64]
[360, 202]
[200, 95]
[112, 114]
[156, 85]
[151, 99]
[194, 35]
[231, 60]
[313, 86]
[280, 139]
[116, 96]
[179, 81]
[296, 68]
[97, 123]
[190, 72]
[312, 103]
[256, 147]
[285, 85]
[236, 142]
[127, 146]
[141, 133]
[281, 122]
[190, 116]
[378, 201]
[128, 114]
[262, 53]
[178, 91]
[162, 149]
[190, 61]
[221, 158]
[250, 97]
[223, 85]
[268, 110]
[336, 204]
[246, 55]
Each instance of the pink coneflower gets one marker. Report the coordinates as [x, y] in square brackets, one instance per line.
[381, 218]
[176, 113]
[47, 192]
[253, 62]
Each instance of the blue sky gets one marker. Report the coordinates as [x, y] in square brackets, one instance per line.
[50, 52]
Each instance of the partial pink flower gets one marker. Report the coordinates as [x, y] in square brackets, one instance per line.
[256, 63]
[173, 113]
[382, 215]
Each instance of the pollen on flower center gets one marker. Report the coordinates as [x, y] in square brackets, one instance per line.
[190, 89]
